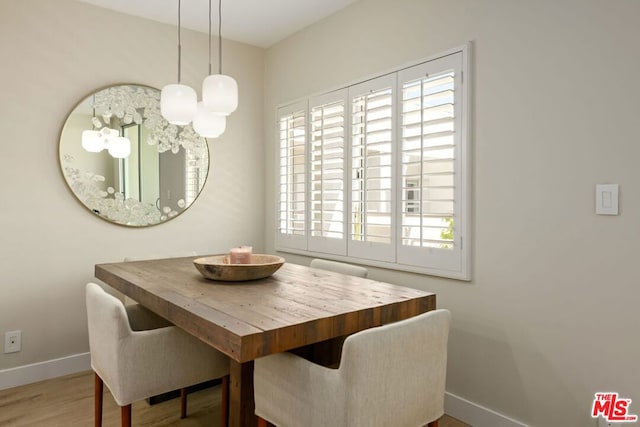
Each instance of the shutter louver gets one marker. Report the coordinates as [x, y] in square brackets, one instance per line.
[428, 162]
[371, 145]
[327, 177]
[372, 136]
[292, 176]
[327, 173]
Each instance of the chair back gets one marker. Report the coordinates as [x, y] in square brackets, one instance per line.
[395, 374]
[339, 267]
[108, 328]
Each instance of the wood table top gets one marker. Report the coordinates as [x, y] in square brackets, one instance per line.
[296, 306]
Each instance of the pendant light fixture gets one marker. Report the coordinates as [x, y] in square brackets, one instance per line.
[219, 91]
[209, 124]
[178, 102]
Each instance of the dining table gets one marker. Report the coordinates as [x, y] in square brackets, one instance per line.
[297, 308]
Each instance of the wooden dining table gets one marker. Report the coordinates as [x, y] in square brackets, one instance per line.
[296, 308]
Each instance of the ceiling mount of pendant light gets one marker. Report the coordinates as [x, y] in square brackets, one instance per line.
[209, 124]
[219, 91]
[178, 102]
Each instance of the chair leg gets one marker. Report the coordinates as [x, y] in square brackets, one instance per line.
[224, 403]
[433, 424]
[183, 403]
[262, 422]
[97, 400]
[125, 415]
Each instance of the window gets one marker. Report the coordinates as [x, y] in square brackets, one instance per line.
[378, 171]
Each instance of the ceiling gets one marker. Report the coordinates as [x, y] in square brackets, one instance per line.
[256, 22]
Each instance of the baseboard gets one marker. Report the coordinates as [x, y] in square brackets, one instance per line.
[41, 371]
[476, 415]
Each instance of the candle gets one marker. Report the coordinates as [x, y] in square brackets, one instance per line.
[240, 255]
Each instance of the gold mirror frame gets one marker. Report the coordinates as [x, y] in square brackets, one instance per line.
[161, 177]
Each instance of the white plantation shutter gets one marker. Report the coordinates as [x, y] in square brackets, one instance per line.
[292, 167]
[327, 173]
[379, 172]
[430, 227]
[371, 231]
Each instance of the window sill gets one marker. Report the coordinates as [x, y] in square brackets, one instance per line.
[462, 275]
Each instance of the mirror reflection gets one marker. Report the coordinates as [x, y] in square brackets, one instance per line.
[126, 163]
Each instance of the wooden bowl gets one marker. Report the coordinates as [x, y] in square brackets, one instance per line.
[217, 267]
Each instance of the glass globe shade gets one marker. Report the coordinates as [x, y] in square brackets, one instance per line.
[209, 124]
[178, 103]
[119, 147]
[92, 141]
[220, 94]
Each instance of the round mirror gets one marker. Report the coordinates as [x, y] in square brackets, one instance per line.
[127, 164]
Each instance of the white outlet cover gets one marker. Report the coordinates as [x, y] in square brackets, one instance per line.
[12, 341]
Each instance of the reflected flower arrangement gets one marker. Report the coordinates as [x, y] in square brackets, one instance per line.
[111, 204]
[141, 105]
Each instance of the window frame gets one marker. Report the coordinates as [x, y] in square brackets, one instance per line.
[362, 253]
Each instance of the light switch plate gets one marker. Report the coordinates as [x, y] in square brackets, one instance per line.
[607, 199]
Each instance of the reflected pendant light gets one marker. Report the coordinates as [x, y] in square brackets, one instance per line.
[119, 147]
[91, 139]
[178, 102]
[219, 91]
[207, 123]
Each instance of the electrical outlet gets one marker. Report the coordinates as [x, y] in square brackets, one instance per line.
[12, 341]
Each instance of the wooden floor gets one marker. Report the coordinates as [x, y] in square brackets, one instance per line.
[68, 401]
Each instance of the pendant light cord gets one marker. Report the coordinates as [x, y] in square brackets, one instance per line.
[209, 37]
[179, 45]
[219, 36]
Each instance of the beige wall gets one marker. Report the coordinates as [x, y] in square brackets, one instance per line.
[551, 315]
[53, 55]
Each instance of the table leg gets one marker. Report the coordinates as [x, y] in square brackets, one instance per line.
[241, 403]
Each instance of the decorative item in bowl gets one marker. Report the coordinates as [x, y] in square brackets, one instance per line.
[240, 255]
[218, 267]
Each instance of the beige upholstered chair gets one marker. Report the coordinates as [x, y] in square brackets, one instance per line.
[339, 267]
[393, 375]
[138, 355]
